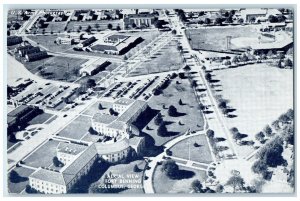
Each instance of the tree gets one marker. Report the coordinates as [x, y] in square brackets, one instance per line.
[244, 58]
[118, 28]
[187, 68]
[290, 51]
[236, 182]
[133, 25]
[92, 131]
[290, 114]
[90, 83]
[14, 177]
[241, 21]
[109, 26]
[284, 119]
[219, 188]
[275, 125]
[272, 19]
[208, 77]
[174, 32]
[288, 63]
[136, 168]
[172, 111]
[279, 65]
[259, 167]
[207, 21]
[180, 102]
[260, 136]
[210, 133]
[30, 190]
[162, 130]
[158, 119]
[270, 54]
[56, 162]
[268, 131]
[170, 168]
[218, 21]
[197, 186]
[235, 59]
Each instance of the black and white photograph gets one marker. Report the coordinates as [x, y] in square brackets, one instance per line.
[149, 101]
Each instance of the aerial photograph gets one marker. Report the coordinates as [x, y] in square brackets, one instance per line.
[149, 101]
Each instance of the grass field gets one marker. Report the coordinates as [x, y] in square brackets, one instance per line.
[200, 154]
[215, 38]
[20, 186]
[40, 118]
[259, 93]
[48, 42]
[168, 58]
[77, 129]
[163, 184]
[190, 117]
[56, 68]
[43, 156]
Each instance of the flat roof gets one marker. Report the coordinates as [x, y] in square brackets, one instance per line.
[70, 148]
[104, 118]
[124, 101]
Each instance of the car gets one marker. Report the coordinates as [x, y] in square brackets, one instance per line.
[65, 115]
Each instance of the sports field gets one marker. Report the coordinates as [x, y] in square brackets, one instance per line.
[259, 93]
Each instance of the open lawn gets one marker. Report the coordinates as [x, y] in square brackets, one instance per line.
[215, 38]
[189, 116]
[77, 128]
[21, 185]
[40, 118]
[62, 68]
[43, 156]
[199, 154]
[134, 184]
[168, 58]
[163, 184]
[259, 93]
[47, 41]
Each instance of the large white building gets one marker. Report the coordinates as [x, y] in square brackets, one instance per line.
[51, 181]
[114, 126]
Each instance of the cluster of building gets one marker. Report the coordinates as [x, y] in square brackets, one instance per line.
[14, 40]
[20, 116]
[116, 44]
[79, 157]
[30, 52]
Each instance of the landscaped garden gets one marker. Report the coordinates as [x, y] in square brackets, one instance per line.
[178, 109]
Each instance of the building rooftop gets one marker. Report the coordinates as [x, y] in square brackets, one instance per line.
[104, 118]
[135, 141]
[140, 15]
[94, 65]
[117, 37]
[137, 105]
[119, 125]
[124, 101]
[118, 146]
[70, 148]
[70, 171]
[48, 175]
[19, 110]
